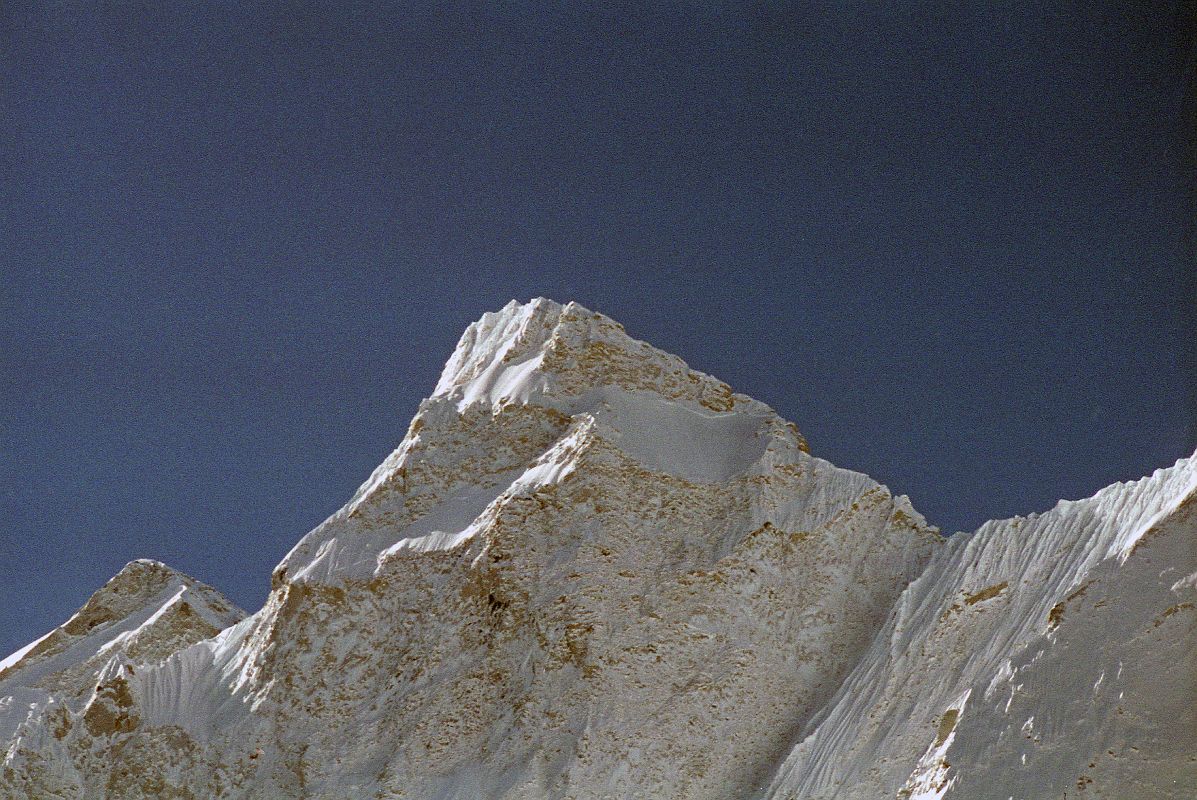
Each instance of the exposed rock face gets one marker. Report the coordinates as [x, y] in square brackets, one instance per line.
[589, 571]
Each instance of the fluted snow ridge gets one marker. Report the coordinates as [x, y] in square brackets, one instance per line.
[986, 601]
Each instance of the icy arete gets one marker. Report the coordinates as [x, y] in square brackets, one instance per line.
[589, 571]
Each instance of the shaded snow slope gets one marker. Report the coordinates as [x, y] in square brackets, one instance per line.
[1042, 656]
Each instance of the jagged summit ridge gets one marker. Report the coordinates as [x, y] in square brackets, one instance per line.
[516, 333]
[550, 353]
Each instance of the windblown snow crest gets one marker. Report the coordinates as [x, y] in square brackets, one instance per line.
[589, 571]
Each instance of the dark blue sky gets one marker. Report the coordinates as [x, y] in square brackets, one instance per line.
[238, 240]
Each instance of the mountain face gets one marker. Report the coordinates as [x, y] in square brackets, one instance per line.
[589, 571]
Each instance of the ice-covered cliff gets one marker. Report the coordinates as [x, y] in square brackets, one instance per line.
[589, 571]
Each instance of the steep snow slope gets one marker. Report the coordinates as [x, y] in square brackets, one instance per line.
[589, 571]
[1041, 657]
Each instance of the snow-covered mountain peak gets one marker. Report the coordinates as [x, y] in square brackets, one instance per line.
[529, 394]
[589, 572]
[144, 613]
